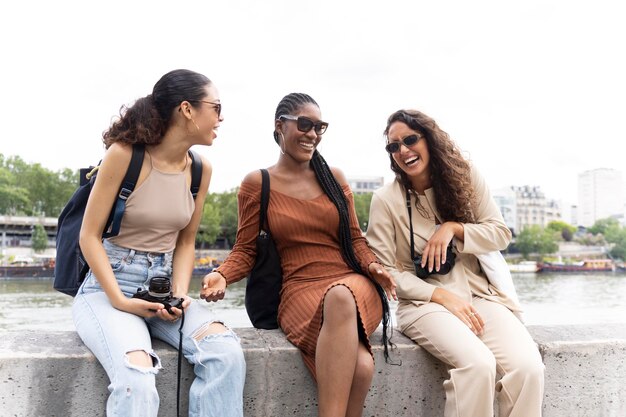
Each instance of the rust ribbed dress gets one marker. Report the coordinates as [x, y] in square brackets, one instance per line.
[306, 236]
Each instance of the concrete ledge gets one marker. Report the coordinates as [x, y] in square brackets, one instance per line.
[53, 374]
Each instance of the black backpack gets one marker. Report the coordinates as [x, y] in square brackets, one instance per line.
[70, 267]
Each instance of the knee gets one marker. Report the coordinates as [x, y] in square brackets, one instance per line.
[221, 350]
[528, 371]
[339, 302]
[137, 381]
[364, 370]
[483, 366]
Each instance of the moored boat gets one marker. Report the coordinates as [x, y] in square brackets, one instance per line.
[26, 271]
[588, 265]
[524, 266]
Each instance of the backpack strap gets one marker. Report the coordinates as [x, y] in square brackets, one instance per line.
[265, 200]
[196, 173]
[127, 187]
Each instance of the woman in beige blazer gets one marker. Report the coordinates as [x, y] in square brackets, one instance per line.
[453, 311]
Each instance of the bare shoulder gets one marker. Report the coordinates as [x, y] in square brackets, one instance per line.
[339, 176]
[117, 157]
[253, 178]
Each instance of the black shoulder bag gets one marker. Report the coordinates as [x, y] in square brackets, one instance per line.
[266, 278]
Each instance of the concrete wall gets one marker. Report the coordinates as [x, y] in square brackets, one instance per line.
[53, 374]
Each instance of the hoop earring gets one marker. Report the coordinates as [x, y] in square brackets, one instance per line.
[280, 146]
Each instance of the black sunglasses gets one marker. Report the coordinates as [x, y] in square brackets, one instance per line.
[393, 147]
[305, 124]
[216, 106]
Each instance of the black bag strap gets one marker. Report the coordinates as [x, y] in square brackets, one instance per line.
[127, 187]
[265, 200]
[196, 173]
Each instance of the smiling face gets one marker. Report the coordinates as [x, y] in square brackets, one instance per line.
[207, 118]
[297, 144]
[413, 159]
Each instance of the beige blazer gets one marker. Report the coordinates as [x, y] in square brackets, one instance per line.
[388, 235]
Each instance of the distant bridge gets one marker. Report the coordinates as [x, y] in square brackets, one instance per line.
[18, 230]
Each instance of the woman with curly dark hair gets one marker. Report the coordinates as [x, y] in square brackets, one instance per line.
[428, 228]
[156, 244]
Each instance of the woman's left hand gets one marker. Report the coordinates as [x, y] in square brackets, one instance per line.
[176, 313]
[384, 278]
[434, 253]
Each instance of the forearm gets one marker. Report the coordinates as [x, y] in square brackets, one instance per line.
[457, 229]
[484, 237]
[100, 266]
[182, 267]
[410, 287]
[239, 263]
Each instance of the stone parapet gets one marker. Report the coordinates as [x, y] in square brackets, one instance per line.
[53, 374]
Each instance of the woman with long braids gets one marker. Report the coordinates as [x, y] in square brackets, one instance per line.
[334, 292]
[427, 228]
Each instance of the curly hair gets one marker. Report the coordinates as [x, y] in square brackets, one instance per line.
[450, 171]
[147, 120]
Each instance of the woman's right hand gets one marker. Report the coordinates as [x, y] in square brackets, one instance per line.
[213, 287]
[462, 310]
[138, 307]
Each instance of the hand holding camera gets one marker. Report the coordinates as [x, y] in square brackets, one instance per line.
[159, 291]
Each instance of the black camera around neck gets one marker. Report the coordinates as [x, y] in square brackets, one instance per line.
[446, 267]
[159, 291]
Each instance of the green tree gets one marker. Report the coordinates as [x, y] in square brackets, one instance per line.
[565, 230]
[39, 238]
[14, 199]
[619, 248]
[209, 224]
[30, 189]
[226, 205]
[609, 228]
[362, 207]
[535, 239]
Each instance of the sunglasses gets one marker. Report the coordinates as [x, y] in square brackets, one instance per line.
[216, 106]
[305, 124]
[393, 147]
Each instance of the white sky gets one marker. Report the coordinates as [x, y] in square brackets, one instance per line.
[533, 91]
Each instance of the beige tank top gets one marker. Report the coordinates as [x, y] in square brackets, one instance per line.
[156, 211]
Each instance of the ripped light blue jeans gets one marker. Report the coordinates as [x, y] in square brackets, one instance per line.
[111, 334]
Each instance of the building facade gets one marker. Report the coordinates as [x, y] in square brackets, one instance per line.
[600, 195]
[526, 206]
[362, 185]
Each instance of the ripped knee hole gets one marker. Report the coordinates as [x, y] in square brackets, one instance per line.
[141, 358]
[208, 329]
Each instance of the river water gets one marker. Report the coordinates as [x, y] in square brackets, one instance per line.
[32, 303]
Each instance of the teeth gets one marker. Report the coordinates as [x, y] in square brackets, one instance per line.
[411, 160]
[307, 145]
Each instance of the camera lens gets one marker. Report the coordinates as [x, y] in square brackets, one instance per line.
[159, 287]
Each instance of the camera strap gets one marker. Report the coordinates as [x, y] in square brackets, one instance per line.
[180, 358]
[408, 208]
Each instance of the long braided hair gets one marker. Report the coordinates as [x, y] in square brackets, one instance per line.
[289, 105]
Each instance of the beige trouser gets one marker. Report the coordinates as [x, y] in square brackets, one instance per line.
[505, 347]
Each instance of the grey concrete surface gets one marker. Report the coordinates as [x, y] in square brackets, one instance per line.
[53, 374]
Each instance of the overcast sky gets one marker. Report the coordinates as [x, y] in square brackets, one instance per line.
[534, 92]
